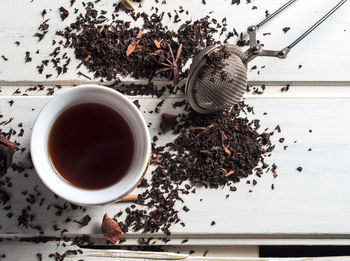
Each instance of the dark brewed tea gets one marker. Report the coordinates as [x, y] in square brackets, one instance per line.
[91, 146]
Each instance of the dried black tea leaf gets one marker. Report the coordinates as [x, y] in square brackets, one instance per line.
[168, 122]
[84, 221]
[4, 197]
[63, 13]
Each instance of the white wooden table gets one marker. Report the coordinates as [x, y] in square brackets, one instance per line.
[311, 207]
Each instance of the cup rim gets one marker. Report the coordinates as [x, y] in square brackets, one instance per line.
[42, 169]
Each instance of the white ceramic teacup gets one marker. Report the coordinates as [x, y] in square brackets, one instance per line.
[90, 94]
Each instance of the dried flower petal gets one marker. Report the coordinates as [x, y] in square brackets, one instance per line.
[230, 172]
[7, 149]
[157, 44]
[111, 229]
[101, 29]
[223, 138]
[132, 46]
[87, 58]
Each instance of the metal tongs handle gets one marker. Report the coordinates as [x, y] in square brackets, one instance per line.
[256, 49]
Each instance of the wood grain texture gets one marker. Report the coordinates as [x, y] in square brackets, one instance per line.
[28, 252]
[312, 205]
[323, 54]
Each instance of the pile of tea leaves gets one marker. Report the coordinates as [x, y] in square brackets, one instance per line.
[110, 47]
[210, 151]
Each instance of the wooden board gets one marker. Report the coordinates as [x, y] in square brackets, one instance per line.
[311, 205]
[26, 251]
[323, 54]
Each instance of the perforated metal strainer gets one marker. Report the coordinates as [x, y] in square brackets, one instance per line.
[207, 91]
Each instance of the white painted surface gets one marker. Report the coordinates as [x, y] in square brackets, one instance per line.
[311, 207]
[27, 251]
[323, 54]
[286, 213]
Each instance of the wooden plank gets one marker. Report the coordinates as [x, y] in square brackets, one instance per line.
[322, 54]
[24, 252]
[310, 207]
[271, 91]
[27, 251]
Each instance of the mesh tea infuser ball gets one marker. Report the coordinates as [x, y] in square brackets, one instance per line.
[208, 91]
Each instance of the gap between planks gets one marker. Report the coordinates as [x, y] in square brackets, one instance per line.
[203, 239]
[164, 82]
[270, 92]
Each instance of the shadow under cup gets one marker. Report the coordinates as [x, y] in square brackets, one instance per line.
[97, 95]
